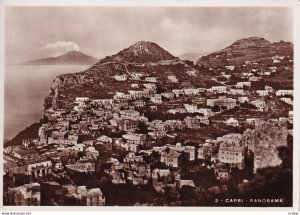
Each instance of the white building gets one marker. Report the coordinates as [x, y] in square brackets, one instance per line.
[178, 92]
[151, 79]
[232, 121]
[172, 78]
[39, 168]
[191, 108]
[26, 195]
[247, 74]
[243, 84]
[230, 68]
[177, 110]
[134, 86]
[253, 121]
[237, 91]
[262, 92]
[82, 166]
[190, 150]
[150, 86]
[254, 78]
[269, 89]
[284, 92]
[219, 89]
[206, 111]
[273, 69]
[82, 99]
[287, 100]
[122, 77]
[95, 197]
[129, 114]
[168, 95]
[230, 103]
[232, 154]
[259, 104]
[134, 138]
[243, 99]
[190, 91]
[170, 158]
[156, 99]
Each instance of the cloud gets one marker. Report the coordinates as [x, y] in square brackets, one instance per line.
[60, 47]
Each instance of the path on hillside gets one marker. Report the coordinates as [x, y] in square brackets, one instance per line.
[124, 64]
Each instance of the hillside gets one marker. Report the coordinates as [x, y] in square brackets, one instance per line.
[249, 49]
[255, 55]
[69, 58]
[140, 60]
[28, 133]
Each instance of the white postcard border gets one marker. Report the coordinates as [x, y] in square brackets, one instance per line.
[165, 3]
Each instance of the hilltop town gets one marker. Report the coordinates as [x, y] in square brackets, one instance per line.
[158, 130]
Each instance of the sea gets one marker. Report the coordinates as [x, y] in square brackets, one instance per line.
[25, 87]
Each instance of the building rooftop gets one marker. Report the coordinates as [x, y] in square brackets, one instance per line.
[94, 192]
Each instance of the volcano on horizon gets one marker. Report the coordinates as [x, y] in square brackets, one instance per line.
[69, 58]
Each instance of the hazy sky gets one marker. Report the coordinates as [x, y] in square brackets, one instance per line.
[35, 32]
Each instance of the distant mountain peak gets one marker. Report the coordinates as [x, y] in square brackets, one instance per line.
[69, 58]
[141, 47]
[73, 52]
[77, 54]
[142, 43]
[246, 49]
[249, 42]
[254, 38]
[141, 52]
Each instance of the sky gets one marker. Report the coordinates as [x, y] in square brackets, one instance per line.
[37, 32]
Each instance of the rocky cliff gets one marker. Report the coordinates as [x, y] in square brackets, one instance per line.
[264, 142]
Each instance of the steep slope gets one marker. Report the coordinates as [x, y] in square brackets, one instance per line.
[28, 133]
[69, 58]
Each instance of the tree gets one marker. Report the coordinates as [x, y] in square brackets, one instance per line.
[172, 194]
[216, 108]
[189, 62]
[154, 157]
[223, 79]
[187, 192]
[142, 127]
[248, 106]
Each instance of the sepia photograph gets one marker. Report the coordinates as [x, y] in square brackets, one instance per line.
[148, 106]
